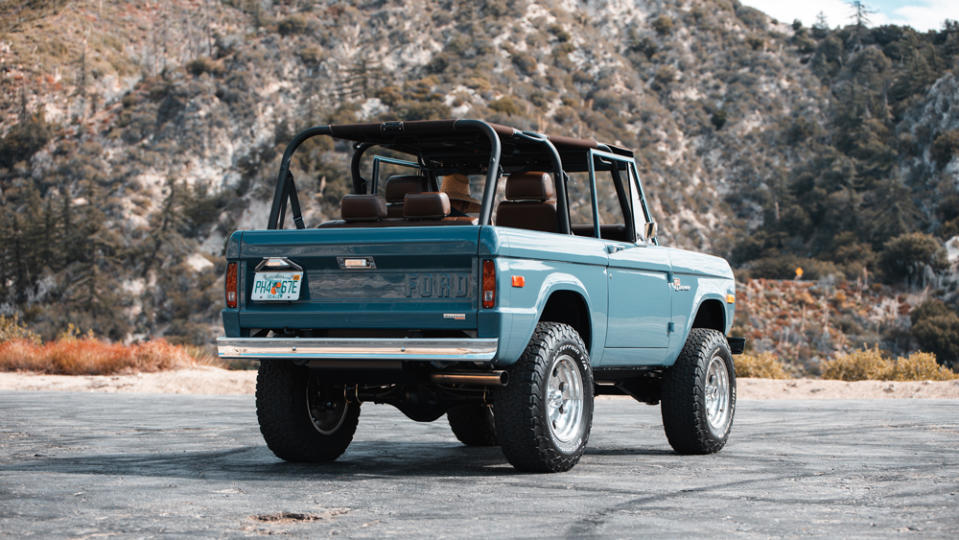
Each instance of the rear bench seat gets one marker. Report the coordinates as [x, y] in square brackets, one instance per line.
[419, 209]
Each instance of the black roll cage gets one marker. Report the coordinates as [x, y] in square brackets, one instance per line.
[285, 189]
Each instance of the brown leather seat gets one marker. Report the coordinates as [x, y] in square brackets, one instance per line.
[397, 187]
[530, 203]
[430, 205]
[362, 208]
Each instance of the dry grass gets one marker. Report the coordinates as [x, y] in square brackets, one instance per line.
[11, 328]
[763, 365]
[90, 356]
[871, 364]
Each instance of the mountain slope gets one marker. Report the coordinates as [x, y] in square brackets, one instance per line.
[143, 153]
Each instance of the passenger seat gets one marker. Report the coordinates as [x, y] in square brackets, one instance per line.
[397, 187]
[530, 203]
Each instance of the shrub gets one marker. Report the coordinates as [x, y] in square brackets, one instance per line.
[867, 364]
[293, 25]
[784, 267]
[719, 119]
[871, 364]
[24, 139]
[12, 329]
[920, 366]
[936, 329]
[525, 62]
[90, 356]
[664, 76]
[945, 147]
[311, 55]
[199, 66]
[906, 255]
[763, 365]
[663, 25]
[505, 105]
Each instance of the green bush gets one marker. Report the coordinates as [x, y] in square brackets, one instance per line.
[784, 267]
[295, 24]
[664, 76]
[24, 139]
[505, 105]
[525, 62]
[663, 25]
[945, 147]
[199, 66]
[904, 257]
[936, 329]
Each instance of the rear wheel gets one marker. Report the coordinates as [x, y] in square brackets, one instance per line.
[699, 394]
[301, 418]
[473, 424]
[544, 414]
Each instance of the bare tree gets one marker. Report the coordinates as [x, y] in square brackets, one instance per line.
[861, 13]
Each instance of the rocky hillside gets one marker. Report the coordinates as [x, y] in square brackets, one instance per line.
[136, 136]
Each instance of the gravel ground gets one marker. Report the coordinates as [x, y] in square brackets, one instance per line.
[141, 465]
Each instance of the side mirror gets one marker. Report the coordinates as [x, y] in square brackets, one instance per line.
[649, 231]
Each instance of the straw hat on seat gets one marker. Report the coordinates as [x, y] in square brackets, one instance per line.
[457, 188]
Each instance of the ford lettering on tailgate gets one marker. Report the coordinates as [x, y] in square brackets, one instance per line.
[437, 285]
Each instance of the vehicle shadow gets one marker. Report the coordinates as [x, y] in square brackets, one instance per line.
[368, 458]
[630, 451]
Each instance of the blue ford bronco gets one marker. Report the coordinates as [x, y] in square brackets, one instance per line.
[507, 313]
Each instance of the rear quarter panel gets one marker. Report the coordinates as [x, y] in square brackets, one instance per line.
[548, 263]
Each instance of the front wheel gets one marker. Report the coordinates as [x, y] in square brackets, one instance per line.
[301, 418]
[699, 394]
[543, 416]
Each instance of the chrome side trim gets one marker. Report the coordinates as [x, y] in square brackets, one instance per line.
[426, 349]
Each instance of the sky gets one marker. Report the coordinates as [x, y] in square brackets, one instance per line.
[919, 14]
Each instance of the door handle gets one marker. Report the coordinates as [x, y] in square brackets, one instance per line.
[612, 248]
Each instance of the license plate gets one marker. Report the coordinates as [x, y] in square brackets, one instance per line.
[277, 286]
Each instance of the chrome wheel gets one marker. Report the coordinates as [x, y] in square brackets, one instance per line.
[564, 402]
[717, 395]
[326, 414]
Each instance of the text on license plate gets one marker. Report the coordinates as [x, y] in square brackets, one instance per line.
[279, 286]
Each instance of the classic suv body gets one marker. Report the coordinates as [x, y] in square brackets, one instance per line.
[640, 301]
[556, 289]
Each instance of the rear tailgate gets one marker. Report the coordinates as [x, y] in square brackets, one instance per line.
[419, 278]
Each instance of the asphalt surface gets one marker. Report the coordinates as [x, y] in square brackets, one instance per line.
[82, 465]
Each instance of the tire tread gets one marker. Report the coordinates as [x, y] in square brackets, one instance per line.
[683, 411]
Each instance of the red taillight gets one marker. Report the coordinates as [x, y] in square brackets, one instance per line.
[489, 284]
[231, 285]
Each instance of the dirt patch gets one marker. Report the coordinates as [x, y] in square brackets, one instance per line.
[296, 517]
[209, 380]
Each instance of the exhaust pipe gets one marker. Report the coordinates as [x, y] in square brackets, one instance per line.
[493, 378]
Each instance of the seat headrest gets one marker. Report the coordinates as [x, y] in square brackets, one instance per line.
[530, 186]
[399, 185]
[362, 208]
[430, 205]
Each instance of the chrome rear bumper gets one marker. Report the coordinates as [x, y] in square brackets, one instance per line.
[423, 349]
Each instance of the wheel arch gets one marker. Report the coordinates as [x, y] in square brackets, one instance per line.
[569, 307]
[711, 313]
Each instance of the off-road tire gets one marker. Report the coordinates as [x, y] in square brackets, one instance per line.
[286, 422]
[684, 402]
[473, 424]
[522, 407]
